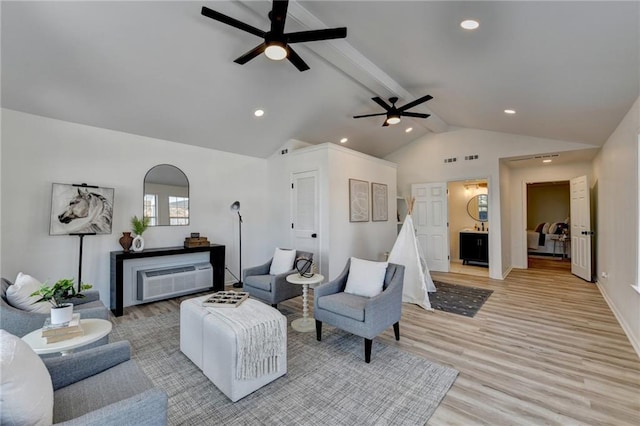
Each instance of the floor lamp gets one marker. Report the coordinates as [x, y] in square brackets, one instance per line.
[235, 207]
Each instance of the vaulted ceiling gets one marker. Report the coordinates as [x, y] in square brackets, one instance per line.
[161, 69]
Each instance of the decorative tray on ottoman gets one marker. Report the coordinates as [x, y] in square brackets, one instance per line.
[225, 299]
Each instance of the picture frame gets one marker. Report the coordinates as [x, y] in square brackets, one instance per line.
[379, 202]
[80, 209]
[358, 200]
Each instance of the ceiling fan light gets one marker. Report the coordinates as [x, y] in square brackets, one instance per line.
[393, 119]
[276, 51]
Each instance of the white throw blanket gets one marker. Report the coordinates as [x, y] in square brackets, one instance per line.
[260, 334]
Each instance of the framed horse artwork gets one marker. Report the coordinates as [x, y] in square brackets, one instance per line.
[80, 209]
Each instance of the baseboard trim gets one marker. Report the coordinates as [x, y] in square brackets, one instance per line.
[625, 327]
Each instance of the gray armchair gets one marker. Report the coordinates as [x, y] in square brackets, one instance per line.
[20, 323]
[363, 316]
[272, 289]
[102, 386]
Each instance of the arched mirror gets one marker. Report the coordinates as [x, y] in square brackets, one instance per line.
[166, 196]
[478, 207]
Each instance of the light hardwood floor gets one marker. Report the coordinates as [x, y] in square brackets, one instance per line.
[544, 349]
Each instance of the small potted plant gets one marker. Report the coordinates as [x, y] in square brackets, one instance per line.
[138, 226]
[56, 294]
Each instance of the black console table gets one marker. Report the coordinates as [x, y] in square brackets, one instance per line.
[216, 258]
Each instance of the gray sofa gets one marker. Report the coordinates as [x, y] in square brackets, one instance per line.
[272, 289]
[19, 322]
[102, 386]
[363, 316]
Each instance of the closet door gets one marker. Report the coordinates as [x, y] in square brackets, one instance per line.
[430, 217]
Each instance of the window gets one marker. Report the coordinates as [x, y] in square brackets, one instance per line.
[151, 208]
[178, 210]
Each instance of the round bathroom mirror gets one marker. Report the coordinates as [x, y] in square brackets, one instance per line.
[478, 207]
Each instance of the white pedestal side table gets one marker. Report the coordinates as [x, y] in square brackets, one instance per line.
[94, 329]
[304, 324]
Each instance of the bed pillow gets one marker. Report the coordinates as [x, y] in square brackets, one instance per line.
[539, 227]
[553, 227]
[25, 385]
[545, 228]
[19, 295]
[282, 261]
[366, 278]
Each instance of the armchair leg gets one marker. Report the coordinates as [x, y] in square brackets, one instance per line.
[367, 350]
[318, 330]
[396, 330]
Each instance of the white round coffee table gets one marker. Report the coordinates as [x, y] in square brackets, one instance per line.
[304, 324]
[94, 329]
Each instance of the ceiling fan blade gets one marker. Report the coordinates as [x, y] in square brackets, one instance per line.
[296, 60]
[415, 114]
[316, 35]
[278, 15]
[251, 54]
[382, 103]
[230, 21]
[369, 115]
[414, 103]
[385, 124]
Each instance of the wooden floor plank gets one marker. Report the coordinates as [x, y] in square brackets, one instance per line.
[544, 349]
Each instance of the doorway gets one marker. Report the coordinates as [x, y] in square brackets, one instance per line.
[469, 227]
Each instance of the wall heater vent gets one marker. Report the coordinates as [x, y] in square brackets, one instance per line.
[161, 283]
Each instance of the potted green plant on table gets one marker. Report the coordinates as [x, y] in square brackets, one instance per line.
[57, 294]
[138, 226]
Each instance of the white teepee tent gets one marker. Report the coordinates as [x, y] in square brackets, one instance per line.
[406, 251]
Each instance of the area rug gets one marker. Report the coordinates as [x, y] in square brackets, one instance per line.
[327, 383]
[458, 299]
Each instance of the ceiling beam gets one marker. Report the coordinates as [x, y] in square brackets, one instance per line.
[346, 59]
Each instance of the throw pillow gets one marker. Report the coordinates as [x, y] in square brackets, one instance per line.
[19, 295]
[282, 261]
[25, 386]
[366, 278]
[552, 228]
[539, 227]
[545, 228]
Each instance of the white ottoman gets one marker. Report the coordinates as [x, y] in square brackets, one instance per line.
[212, 345]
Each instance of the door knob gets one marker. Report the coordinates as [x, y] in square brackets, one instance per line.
[314, 235]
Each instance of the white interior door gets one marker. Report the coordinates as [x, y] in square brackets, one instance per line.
[581, 228]
[430, 217]
[305, 216]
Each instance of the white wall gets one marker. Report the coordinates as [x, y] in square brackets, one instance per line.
[518, 200]
[423, 161]
[38, 151]
[366, 240]
[338, 238]
[615, 174]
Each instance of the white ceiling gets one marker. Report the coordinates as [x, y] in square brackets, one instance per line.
[160, 69]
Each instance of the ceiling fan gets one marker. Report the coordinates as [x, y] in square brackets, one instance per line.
[276, 41]
[394, 113]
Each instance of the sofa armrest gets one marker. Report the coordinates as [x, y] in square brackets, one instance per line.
[257, 270]
[148, 408]
[65, 370]
[89, 296]
[334, 286]
[95, 312]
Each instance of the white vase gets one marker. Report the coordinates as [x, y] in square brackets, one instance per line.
[62, 314]
[138, 243]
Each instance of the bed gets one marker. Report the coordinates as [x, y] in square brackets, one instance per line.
[547, 238]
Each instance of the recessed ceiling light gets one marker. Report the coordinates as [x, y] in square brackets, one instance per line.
[509, 111]
[469, 24]
[547, 160]
[343, 140]
[258, 113]
[408, 129]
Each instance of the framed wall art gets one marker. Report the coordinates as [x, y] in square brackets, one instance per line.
[379, 202]
[358, 200]
[80, 209]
